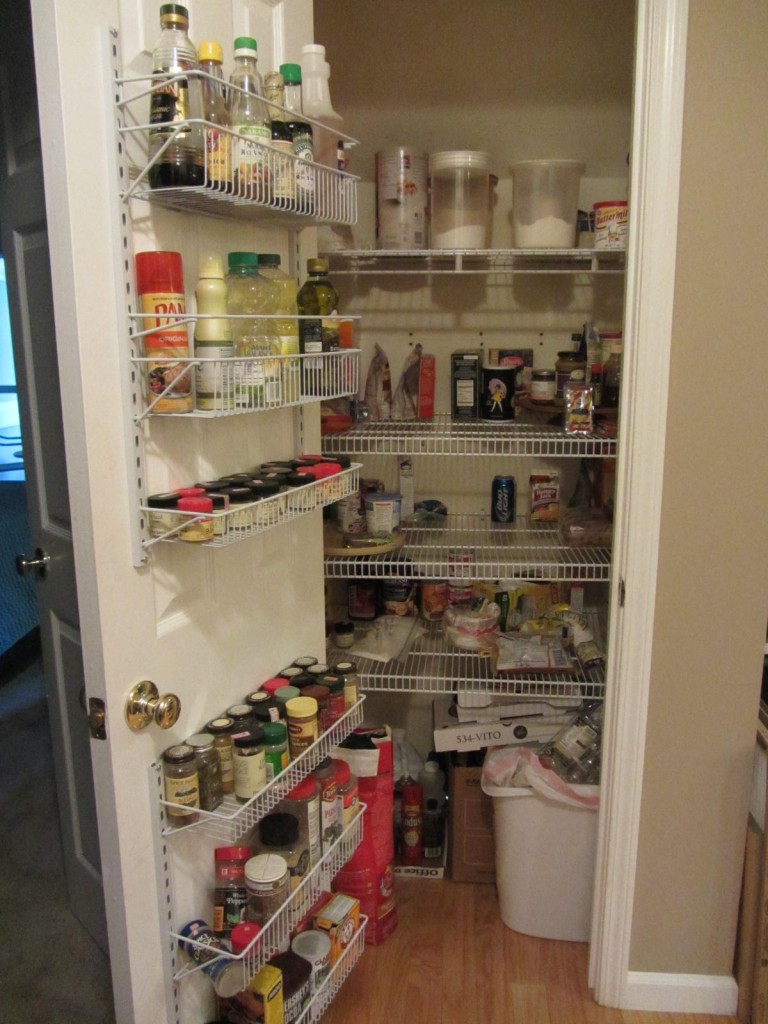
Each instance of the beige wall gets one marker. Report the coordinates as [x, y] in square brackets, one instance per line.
[713, 576]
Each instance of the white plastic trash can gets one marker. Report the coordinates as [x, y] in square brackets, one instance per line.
[545, 862]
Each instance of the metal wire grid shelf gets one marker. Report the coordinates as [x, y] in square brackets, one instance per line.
[338, 974]
[492, 550]
[275, 935]
[320, 194]
[239, 385]
[232, 819]
[249, 519]
[433, 665]
[476, 261]
[444, 436]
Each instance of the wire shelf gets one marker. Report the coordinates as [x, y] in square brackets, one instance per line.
[476, 261]
[275, 936]
[236, 385]
[433, 665]
[254, 517]
[338, 974]
[445, 436]
[232, 819]
[494, 551]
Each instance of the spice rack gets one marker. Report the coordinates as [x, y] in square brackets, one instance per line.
[275, 935]
[232, 819]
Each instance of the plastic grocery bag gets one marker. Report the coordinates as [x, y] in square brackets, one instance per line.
[507, 768]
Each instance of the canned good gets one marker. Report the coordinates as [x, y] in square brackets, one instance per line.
[434, 599]
[401, 199]
[503, 499]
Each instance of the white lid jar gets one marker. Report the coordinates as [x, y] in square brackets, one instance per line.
[459, 199]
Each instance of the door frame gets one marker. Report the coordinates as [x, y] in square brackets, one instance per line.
[657, 128]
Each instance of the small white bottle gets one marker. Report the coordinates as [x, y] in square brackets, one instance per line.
[213, 337]
[316, 104]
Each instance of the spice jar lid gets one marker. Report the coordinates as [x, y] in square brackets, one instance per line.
[316, 691]
[251, 737]
[317, 670]
[342, 769]
[274, 732]
[220, 725]
[345, 668]
[301, 707]
[239, 712]
[178, 753]
[200, 740]
[243, 935]
[266, 867]
[279, 829]
[291, 672]
[167, 500]
[195, 505]
[305, 661]
[256, 698]
[232, 853]
[270, 685]
[303, 790]
[269, 711]
[286, 693]
[344, 628]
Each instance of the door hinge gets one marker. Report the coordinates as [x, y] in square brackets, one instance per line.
[622, 592]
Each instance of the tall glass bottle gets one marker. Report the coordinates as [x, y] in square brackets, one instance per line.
[283, 178]
[317, 298]
[316, 103]
[612, 377]
[250, 123]
[218, 145]
[257, 382]
[172, 103]
[287, 327]
[301, 134]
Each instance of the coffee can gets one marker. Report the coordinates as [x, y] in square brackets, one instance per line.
[503, 499]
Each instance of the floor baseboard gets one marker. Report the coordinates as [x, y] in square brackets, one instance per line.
[681, 993]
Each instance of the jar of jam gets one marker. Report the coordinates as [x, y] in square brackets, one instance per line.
[543, 386]
[570, 368]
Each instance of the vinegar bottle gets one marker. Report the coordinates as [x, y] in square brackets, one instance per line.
[256, 379]
[218, 145]
[316, 103]
[301, 134]
[317, 298]
[250, 123]
[172, 103]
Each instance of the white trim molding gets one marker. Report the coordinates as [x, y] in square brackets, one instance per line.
[681, 993]
[661, 37]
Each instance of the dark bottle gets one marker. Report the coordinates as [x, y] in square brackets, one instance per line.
[173, 102]
[301, 134]
[612, 378]
[317, 298]
[283, 178]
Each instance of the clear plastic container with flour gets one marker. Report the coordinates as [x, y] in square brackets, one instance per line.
[459, 200]
[545, 203]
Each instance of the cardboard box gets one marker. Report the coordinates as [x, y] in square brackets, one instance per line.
[519, 727]
[426, 408]
[262, 999]
[465, 384]
[340, 918]
[471, 855]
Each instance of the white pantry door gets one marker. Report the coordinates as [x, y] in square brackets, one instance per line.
[206, 625]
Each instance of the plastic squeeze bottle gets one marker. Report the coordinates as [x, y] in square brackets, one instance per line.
[316, 104]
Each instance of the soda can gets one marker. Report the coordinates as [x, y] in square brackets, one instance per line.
[503, 499]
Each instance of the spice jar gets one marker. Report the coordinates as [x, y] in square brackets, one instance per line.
[330, 822]
[303, 802]
[290, 673]
[322, 695]
[250, 765]
[305, 661]
[275, 748]
[302, 724]
[268, 711]
[229, 895]
[344, 633]
[347, 793]
[199, 527]
[570, 368]
[286, 693]
[279, 833]
[336, 705]
[221, 730]
[241, 715]
[268, 885]
[543, 386]
[208, 770]
[317, 671]
[162, 517]
[181, 784]
[347, 672]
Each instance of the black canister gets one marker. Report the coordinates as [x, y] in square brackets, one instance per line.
[497, 396]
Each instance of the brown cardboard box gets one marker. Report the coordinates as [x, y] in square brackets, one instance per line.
[470, 827]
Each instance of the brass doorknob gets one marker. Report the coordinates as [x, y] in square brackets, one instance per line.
[145, 705]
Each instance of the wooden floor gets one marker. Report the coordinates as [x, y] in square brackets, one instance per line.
[452, 961]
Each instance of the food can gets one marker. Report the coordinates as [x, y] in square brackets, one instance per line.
[434, 599]
[611, 223]
[503, 499]
[401, 199]
[497, 398]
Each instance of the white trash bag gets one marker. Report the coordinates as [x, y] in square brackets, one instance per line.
[509, 768]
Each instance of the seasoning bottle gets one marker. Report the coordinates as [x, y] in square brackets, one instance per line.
[301, 135]
[279, 833]
[213, 338]
[347, 672]
[302, 724]
[240, 518]
[286, 693]
[162, 517]
[221, 730]
[181, 784]
[175, 153]
[268, 885]
[268, 710]
[160, 288]
[229, 895]
[275, 748]
[241, 715]
[283, 181]
[317, 298]
[347, 793]
[344, 633]
[336, 705]
[198, 528]
[322, 695]
[303, 802]
[208, 770]
[218, 144]
[330, 822]
[249, 763]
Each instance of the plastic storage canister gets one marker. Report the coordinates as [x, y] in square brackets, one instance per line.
[249, 762]
[401, 199]
[303, 801]
[280, 833]
[297, 984]
[545, 203]
[221, 730]
[229, 895]
[315, 947]
[208, 770]
[302, 724]
[268, 884]
[180, 784]
[459, 199]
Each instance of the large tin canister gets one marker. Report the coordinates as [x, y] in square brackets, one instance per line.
[401, 199]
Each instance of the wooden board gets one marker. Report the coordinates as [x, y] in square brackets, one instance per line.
[333, 544]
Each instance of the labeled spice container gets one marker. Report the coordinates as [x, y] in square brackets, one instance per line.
[321, 694]
[275, 748]
[347, 793]
[198, 528]
[221, 730]
[249, 762]
[330, 820]
[279, 833]
[208, 770]
[181, 784]
[344, 633]
[229, 895]
[336, 707]
[347, 672]
[240, 518]
[241, 715]
[303, 802]
[268, 885]
[268, 711]
[163, 518]
[302, 724]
